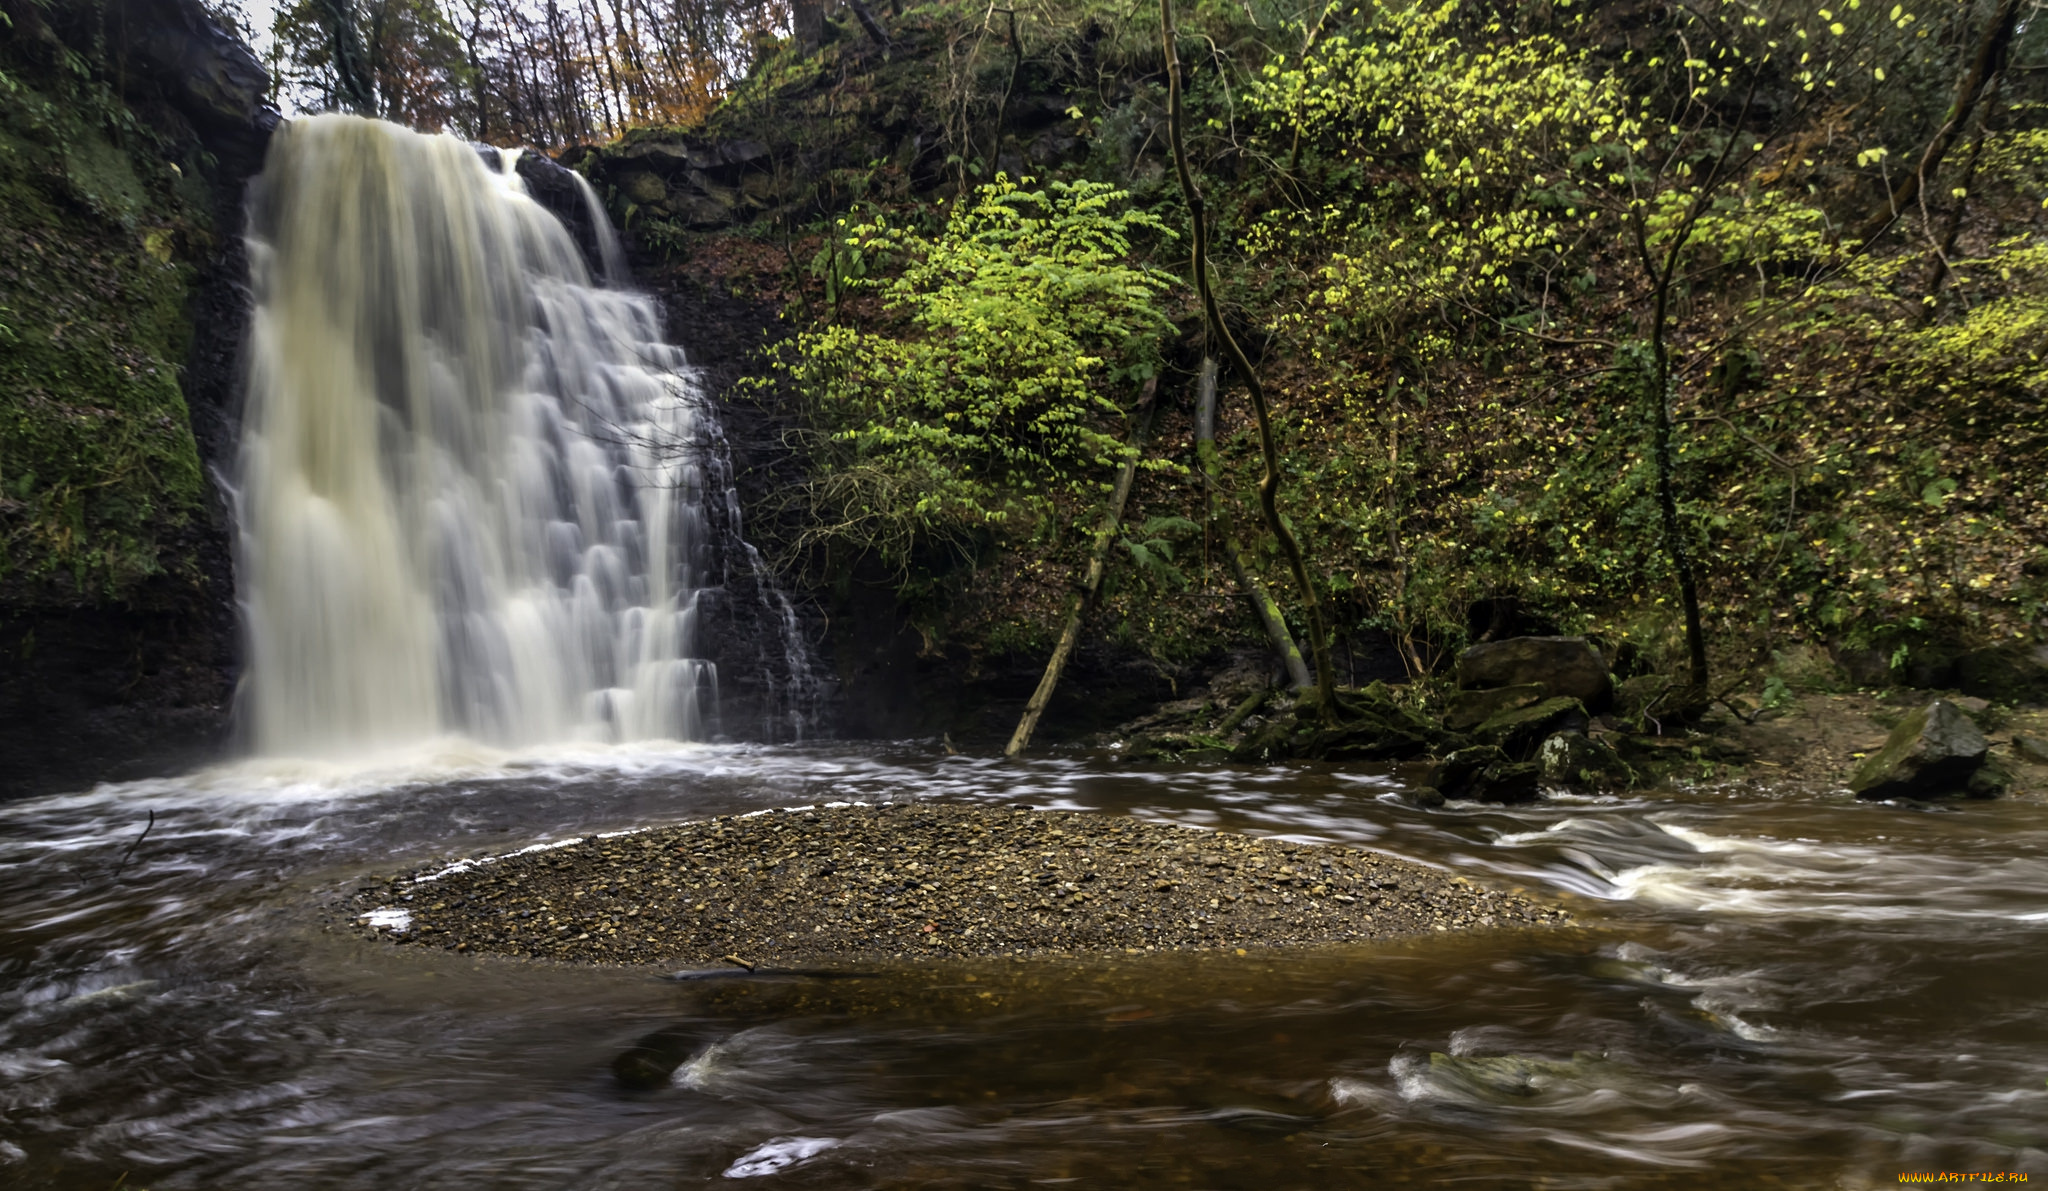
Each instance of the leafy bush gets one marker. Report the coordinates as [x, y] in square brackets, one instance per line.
[978, 389]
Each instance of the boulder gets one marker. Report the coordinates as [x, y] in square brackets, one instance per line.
[1486, 774]
[557, 188]
[1576, 759]
[1934, 752]
[1518, 732]
[1565, 666]
[1469, 709]
[2030, 748]
[1992, 780]
[643, 187]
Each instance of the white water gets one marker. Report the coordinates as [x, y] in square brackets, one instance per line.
[472, 480]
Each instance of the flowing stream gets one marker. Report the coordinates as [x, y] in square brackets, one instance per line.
[1763, 991]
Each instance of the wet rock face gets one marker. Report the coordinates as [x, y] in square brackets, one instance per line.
[108, 683]
[1934, 752]
[203, 71]
[1564, 666]
[701, 182]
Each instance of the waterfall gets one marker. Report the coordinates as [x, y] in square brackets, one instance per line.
[473, 482]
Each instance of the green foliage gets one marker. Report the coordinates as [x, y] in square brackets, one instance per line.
[1500, 204]
[979, 387]
[1456, 221]
[1151, 550]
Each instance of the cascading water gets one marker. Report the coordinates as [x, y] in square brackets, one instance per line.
[473, 482]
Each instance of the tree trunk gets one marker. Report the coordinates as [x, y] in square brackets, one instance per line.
[1263, 608]
[1269, 485]
[807, 23]
[873, 27]
[1658, 382]
[1984, 64]
[1938, 269]
[354, 88]
[1091, 578]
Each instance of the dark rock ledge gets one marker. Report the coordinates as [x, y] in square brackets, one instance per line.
[852, 882]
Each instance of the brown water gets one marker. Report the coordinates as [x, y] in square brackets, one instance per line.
[1765, 991]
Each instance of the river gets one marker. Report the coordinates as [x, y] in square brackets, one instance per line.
[1762, 990]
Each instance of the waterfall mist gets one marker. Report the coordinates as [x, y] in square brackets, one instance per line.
[473, 481]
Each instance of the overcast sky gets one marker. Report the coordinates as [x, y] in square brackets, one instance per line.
[258, 15]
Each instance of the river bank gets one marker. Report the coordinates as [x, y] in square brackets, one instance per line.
[851, 882]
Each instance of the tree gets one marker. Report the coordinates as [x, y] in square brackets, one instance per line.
[1219, 332]
[970, 400]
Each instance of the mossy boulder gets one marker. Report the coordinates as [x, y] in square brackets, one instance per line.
[1932, 753]
[1563, 666]
[1469, 709]
[1576, 759]
[1519, 731]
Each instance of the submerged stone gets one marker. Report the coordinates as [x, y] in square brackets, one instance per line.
[1495, 1077]
[1486, 774]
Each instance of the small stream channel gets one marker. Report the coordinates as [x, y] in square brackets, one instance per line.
[1762, 991]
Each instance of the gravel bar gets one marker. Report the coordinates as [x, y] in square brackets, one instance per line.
[856, 882]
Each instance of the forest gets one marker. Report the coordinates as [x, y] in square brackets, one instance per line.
[1714, 332]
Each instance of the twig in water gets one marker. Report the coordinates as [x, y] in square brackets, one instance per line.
[138, 843]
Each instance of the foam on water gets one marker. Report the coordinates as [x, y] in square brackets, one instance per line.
[1845, 881]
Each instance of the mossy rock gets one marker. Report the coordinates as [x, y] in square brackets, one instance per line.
[1469, 709]
[1518, 732]
[99, 470]
[1576, 759]
[1935, 751]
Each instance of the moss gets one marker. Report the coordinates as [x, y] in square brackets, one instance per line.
[99, 471]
